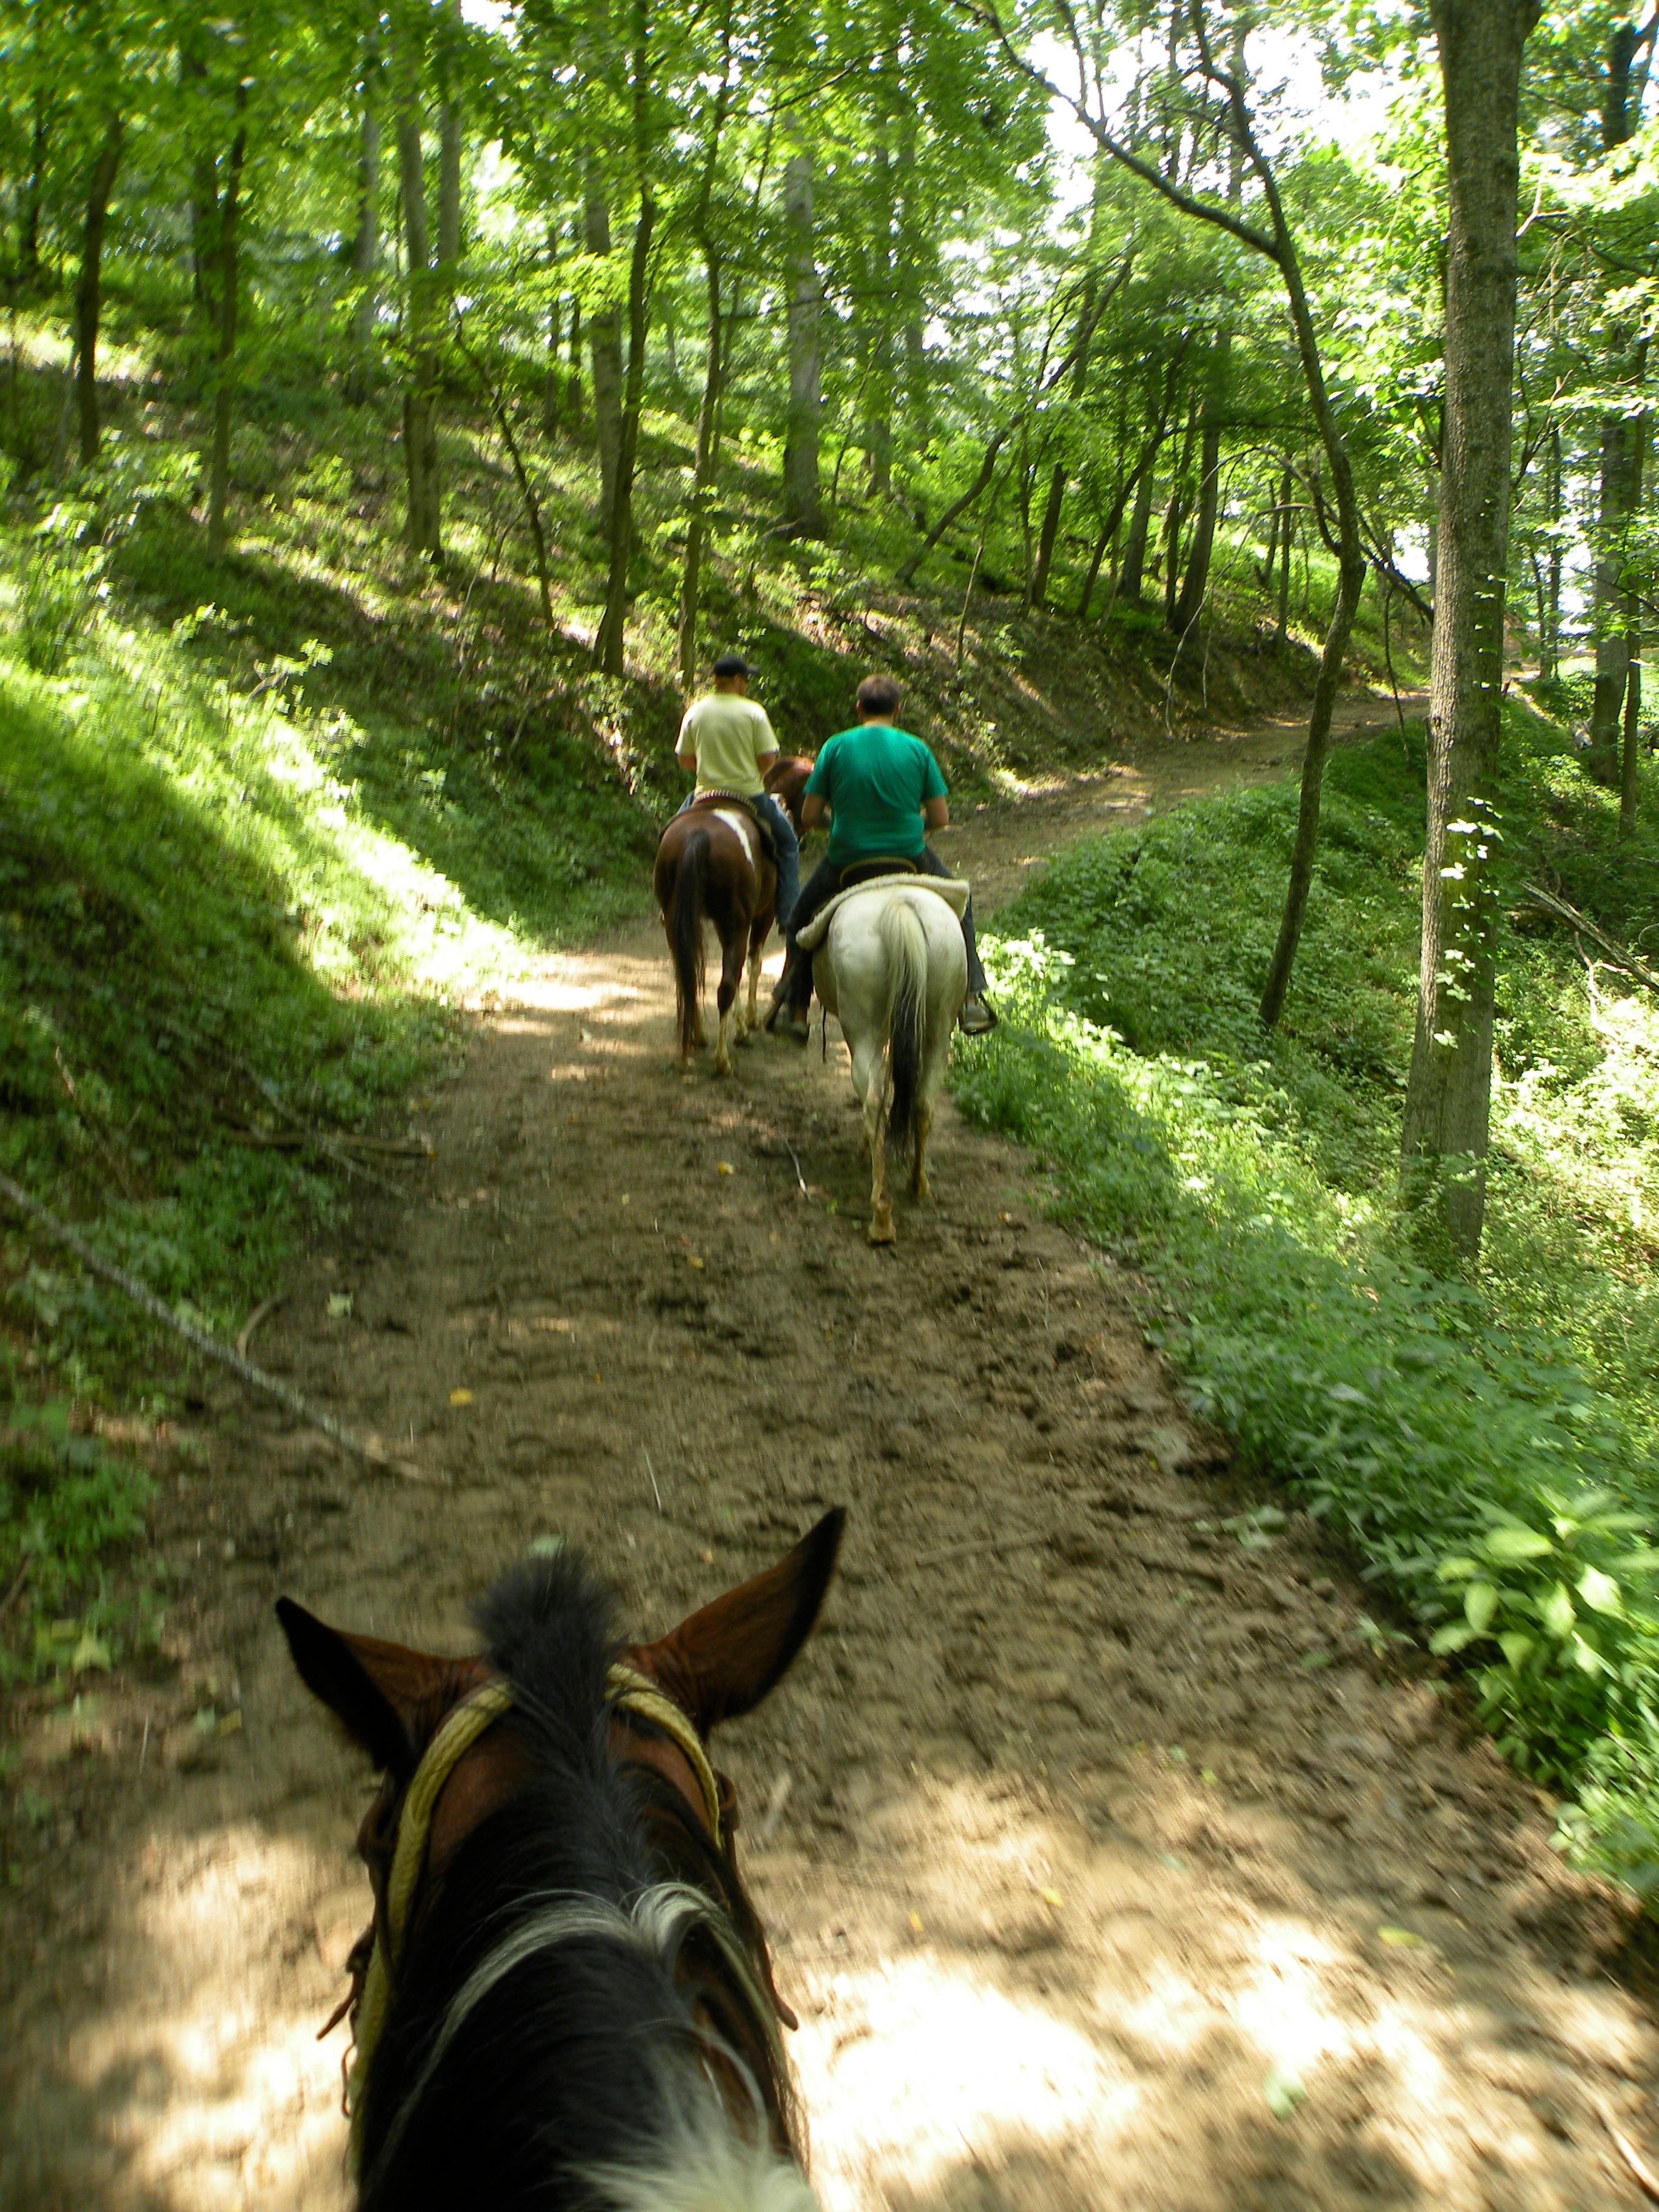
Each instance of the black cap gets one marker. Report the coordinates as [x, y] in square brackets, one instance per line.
[732, 663]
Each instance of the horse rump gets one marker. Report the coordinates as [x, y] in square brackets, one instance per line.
[905, 943]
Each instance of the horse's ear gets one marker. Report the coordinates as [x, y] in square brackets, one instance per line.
[387, 1696]
[719, 1663]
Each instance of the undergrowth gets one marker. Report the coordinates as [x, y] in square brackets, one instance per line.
[1490, 1447]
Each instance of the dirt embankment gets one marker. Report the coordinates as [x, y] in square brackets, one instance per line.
[1106, 1861]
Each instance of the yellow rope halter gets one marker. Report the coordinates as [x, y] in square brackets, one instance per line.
[630, 1692]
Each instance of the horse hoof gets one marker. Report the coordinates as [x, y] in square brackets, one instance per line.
[881, 1231]
[922, 1188]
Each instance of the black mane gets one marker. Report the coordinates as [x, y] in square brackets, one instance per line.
[585, 2050]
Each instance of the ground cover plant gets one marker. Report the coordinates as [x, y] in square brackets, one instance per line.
[1488, 1443]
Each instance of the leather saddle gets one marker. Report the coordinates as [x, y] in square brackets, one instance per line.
[864, 871]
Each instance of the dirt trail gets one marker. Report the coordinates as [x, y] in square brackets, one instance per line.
[1104, 1864]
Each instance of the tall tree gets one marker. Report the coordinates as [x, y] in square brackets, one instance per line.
[803, 494]
[609, 644]
[1482, 45]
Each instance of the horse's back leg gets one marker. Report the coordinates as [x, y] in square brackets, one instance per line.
[870, 1082]
[732, 948]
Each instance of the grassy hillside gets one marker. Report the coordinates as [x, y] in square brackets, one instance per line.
[1492, 1447]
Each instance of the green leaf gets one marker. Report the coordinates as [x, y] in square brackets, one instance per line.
[1517, 1647]
[1284, 2091]
[1510, 1546]
[1457, 1569]
[1599, 1592]
[1557, 1612]
[1480, 1603]
[1452, 1638]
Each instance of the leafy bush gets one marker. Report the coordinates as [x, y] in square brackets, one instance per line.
[1489, 1447]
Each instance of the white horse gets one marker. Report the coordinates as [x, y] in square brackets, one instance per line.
[892, 967]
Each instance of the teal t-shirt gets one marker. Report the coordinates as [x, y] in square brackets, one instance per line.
[875, 780]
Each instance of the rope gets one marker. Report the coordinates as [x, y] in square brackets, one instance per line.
[631, 1693]
[460, 1732]
[635, 1694]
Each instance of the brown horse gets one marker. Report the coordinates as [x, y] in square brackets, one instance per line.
[712, 866]
[787, 782]
[564, 1999]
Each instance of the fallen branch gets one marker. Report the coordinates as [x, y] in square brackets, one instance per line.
[1619, 955]
[261, 1312]
[364, 1448]
[1627, 2151]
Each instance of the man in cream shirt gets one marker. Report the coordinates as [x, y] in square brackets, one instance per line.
[726, 742]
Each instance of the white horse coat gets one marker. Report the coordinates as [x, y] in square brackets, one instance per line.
[892, 967]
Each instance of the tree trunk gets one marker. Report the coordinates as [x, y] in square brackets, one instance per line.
[1612, 643]
[366, 246]
[34, 193]
[100, 184]
[610, 643]
[1286, 535]
[421, 394]
[573, 378]
[1048, 534]
[605, 351]
[1444, 1135]
[1196, 581]
[1631, 761]
[1131, 574]
[1549, 629]
[703, 484]
[802, 498]
[225, 348]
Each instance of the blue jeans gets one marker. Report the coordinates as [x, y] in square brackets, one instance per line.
[786, 844]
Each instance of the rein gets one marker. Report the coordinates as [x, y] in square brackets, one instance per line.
[631, 1693]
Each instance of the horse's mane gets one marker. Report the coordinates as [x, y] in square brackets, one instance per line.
[587, 1980]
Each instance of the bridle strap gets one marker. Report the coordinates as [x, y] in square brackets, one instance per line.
[631, 1693]
[461, 1729]
[634, 1693]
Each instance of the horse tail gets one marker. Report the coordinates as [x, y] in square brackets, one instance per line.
[686, 911]
[905, 943]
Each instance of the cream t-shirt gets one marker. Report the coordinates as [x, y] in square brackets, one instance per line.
[727, 732]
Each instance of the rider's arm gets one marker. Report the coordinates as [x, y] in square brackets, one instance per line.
[814, 811]
[935, 813]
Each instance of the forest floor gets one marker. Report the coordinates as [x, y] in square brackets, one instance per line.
[1108, 1857]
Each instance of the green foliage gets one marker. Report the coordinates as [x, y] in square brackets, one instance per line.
[1490, 1448]
[64, 1498]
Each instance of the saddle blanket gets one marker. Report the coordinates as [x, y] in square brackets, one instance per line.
[951, 889]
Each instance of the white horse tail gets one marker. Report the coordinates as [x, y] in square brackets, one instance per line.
[905, 943]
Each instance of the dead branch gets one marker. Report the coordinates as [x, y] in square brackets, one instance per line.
[1619, 956]
[364, 1448]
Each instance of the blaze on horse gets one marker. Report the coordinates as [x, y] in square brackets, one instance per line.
[564, 2002]
[712, 866]
[891, 965]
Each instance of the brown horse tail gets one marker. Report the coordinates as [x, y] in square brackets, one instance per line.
[685, 919]
[906, 944]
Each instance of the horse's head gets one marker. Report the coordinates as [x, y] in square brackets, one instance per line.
[431, 1724]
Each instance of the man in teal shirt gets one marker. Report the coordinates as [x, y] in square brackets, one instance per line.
[881, 791]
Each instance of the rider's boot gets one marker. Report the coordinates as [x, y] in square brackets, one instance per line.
[977, 1016]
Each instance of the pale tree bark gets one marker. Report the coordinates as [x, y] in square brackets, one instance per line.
[100, 183]
[230, 303]
[609, 645]
[366, 244]
[449, 148]
[708, 413]
[1549, 627]
[603, 348]
[803, 497]
[1444, 1135]
[35, 195]
[1630, 765]
[1616, 500]
[1096, 299]
[421, 393]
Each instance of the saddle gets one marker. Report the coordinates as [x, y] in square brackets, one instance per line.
[864, 871]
